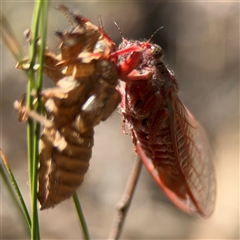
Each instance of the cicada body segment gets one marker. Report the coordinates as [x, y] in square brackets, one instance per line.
[168, 139]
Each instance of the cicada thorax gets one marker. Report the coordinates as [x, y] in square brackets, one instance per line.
[85, 78]
[82, 43]
[167, 138]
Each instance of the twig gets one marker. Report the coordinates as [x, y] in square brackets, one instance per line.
[123, 205]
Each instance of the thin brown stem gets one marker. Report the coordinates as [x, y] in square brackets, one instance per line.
[124, 204]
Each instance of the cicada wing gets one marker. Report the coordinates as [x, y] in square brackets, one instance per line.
[193, 156]
[185, 204]
[193, 190]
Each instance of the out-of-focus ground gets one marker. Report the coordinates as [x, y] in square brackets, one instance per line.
[201, 44]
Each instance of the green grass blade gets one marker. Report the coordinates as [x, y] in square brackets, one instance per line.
[31, 144]
[9, 38]
[14, 190]
[38, 29]
[81, 217]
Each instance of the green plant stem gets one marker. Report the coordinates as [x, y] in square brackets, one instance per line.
[11, 42]
[35, 225]
[81, 217]
[33, 129]
[33, 132]
[29, 132]
[42, 45]
[14, 190]
[32, 160]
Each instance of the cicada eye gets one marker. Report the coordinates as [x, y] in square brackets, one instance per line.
[156, 51]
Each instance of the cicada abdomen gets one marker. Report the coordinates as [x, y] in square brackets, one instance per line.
[85, 77]
[64, 160]
[169, 141]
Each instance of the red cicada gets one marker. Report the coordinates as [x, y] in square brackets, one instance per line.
[169, 141]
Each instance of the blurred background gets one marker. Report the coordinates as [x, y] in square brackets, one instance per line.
[200, 41]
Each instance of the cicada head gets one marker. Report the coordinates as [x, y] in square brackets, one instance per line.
[81, 36]
[145, 63]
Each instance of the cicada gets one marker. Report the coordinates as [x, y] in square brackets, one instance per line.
[170, 142]
[85, 77]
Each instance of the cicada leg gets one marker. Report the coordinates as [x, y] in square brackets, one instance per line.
[32, 114]
[99, 106]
